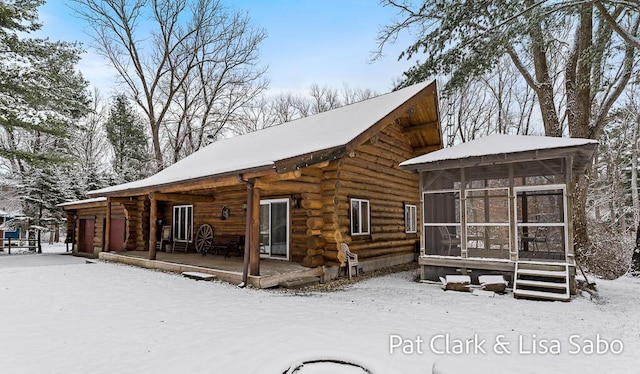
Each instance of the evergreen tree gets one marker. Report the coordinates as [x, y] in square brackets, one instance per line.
[41, 98]
[130, 148]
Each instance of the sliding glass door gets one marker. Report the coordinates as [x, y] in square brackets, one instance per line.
[274, 228]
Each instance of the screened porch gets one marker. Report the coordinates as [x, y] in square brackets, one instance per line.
[496, 200]
[496, 212]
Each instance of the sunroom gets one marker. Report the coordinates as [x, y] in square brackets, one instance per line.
[492, 202]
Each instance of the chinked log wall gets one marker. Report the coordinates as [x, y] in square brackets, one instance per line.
[371, 173]
[321, 221]
[136, 213]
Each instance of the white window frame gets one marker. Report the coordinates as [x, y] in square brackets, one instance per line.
[360, 230]
[184, 233]
[410, 218]
[564, 224]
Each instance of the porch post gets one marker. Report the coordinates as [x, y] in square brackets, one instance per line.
[254, 257]
[463, 216]
[107, 227]
[153, 218]
[570, 250]
[513, 218]
[247, 231]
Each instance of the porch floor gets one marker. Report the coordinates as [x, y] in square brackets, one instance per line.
[272, 272]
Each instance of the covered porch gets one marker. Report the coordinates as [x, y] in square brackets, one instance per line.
[272, 272]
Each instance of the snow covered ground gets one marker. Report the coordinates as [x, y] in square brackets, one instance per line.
[59, 314]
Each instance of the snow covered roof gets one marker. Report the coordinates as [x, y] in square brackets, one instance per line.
[3, 213]
[501, 147]
[82, 202]
[261, 149]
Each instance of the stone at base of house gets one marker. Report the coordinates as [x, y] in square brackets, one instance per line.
[334, 271]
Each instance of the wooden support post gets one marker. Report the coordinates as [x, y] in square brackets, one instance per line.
[107, 228]
[153, 218]
[568, 212]
[513, 218]
[463, 216]
[248, 231]
[254, 257]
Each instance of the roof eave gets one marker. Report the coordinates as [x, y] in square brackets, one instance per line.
[586, 150]
[214, 180]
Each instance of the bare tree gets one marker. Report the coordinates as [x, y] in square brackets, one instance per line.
[586, 75]
[89, 144]
[323, 98]
[267, 111]
[496, 102]
[194, 69]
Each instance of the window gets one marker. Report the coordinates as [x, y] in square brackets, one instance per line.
[410, 219]
[359, 217]
[183, 223]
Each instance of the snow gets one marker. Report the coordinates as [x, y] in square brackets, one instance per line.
[495, 145]
[67, 315]
[262, 148]
[85, 201]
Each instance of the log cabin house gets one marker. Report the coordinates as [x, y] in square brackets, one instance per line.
[294, 192]
[502, 205]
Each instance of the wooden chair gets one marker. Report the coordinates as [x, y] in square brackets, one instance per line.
[351, 259]
[165, 238]
[447, 239]
[539, 236]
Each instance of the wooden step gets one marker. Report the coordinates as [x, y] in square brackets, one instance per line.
[299, 282]
[542, 273]
[541, 284]
[541, 295]
[538, 284]
[199, 276]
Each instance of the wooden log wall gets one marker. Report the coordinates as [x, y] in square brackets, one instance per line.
[134, 212]
[371, 173]
[97, 213]
[210, 212]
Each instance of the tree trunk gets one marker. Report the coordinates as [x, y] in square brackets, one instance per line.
[580, 229]
[635, 260]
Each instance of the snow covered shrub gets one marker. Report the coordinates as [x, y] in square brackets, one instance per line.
[609, 253]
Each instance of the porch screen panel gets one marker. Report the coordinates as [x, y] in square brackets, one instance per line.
[541, 226]
[441, 222]
[487, 211]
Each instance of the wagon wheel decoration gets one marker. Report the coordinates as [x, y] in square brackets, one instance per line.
[204, 238]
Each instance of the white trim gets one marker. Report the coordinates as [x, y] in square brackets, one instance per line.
[361, 230]
[544, 187]
[413, 219]
[537, 187]
[288, 231]
[189, 235]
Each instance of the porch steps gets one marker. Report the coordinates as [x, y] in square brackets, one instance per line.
[541, 281]
[299, 282]
[198, 275]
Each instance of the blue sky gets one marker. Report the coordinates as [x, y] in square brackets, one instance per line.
[329, 42]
